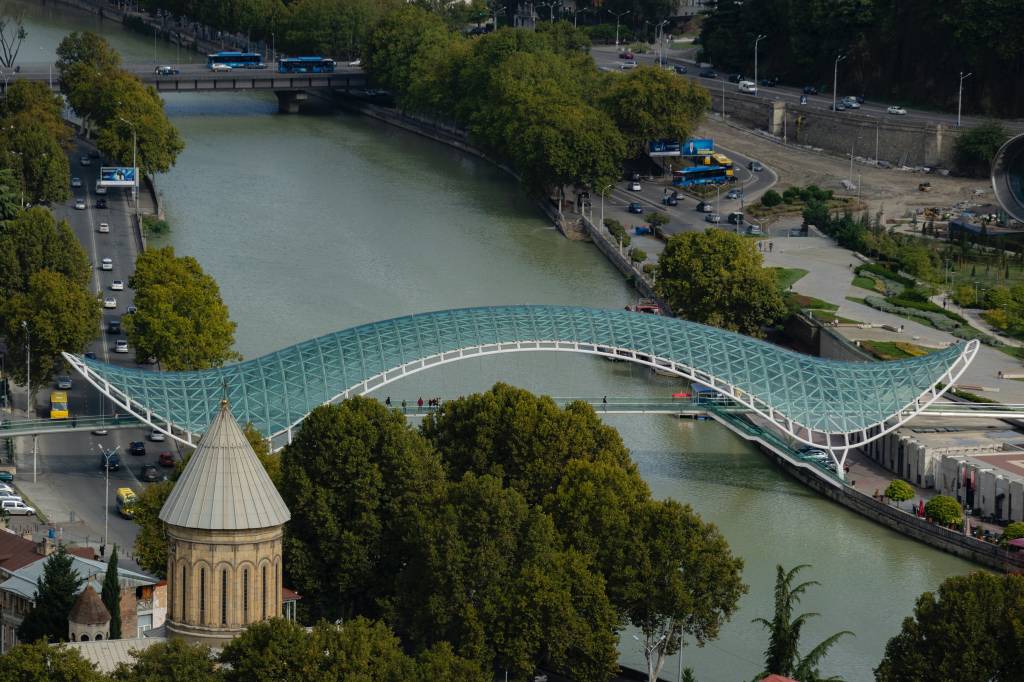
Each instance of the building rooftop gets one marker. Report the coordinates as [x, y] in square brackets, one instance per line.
[16, 551]
[23, 581]
[105, 654]
[89, 609]
[224, 486]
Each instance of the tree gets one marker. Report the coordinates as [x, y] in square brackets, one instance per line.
[970, 630]
[271, 461]
[40, 662]
[273, 650]
[943, 509]
[637, 255]
[782, 657]
[974, 149]
[10, 194]
[685, 581]
[34, 241]
[151, 542]
[716, 278]
[656, 219]
[392, 46]
[330, 27]
[55, 595]
[899, 491]
[1013, 531]
[649, 103]
[33, 149]
[156, 142]
[112, 595]
[770, 198]
[177, 301]
[86, 48]
[169, 661]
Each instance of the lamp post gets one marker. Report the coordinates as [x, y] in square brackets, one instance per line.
[659, 33]
[49, 68]
[835, 80]
[756, 41]
[28, 369]
[577, 13]
[106, 493]
[960, 96]
[618, 16]
[135, 186]
[603, 190]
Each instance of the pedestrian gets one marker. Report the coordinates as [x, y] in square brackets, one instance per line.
[770, 247]
[387, 401]
[419, 403]
[403, 405]
[1000, 374]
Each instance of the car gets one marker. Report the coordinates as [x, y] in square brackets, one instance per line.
[79, 204]
[101, 431]
[754, 229]
[356, 62]
[89, 355]
[131, 310]
[16, 508]
[9, 495]
[6, 476]
[109, 302]
[626, 54]
[735, 77]
[103, 228]
[896, 110]
[810, 90]
[117, 285]
[76, 182]
[114, 326]
[166, 71]
[166, 458]
[137, 448]
[708, 73]
[101, 203]
[149, 473]
[681, 69]
[851, 102]
[110, 461]
[670, 200]
[769, 82]
[733, 194]
[838, 106]
[219, 67]
[157, 436]
[4, 488]
[736, 218]
[100, 190]
[705, 207]
[84, 160]
[106, 264]
[634, 186]
[64, 382]
[635, 207]
[713, 218]
[121, 346]
[625, 66]
[634, 176]
[755, 166]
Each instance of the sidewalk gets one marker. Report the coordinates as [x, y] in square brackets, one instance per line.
[974, 317]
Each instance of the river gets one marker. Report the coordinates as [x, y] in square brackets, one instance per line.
[316, 222]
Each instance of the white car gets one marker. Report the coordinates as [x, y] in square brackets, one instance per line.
[17, 508]
[110, 302]
[79, 204]
[851, 103]
[356, 62]
[713, 218]
[100, 189]
[106, 264]
[634, 186]
[103, 227]
[896, 110]
[219, 67]
[6, 489]
[121, 346]
[117, 285]
[628, 64]
[76, 182]
[85, 161]
[157, 436]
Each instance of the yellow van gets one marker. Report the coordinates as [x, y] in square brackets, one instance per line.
[126, 502]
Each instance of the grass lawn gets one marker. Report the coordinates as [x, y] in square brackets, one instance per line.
[865, 283]
[854, 299]
[787, 277]
[809, 302]
[894, 350]
[828, 317]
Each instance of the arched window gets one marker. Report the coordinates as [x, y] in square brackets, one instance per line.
[184, 602]
[202, 596]
[224, 597]
[99, 636]
[85, 638]
[264, 589]
[245, 595]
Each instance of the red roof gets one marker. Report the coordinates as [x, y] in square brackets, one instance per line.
[84, 552]
[289, 595]
[777, 678]
[16, 551]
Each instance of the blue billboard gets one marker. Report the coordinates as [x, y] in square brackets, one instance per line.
[117, 176]
[698, 146]
[663, 148]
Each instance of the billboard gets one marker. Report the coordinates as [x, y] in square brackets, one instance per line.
[663, 148]
[697, 146]
[117, 176]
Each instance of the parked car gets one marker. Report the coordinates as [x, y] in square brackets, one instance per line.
[76, 182]
[896, 110]
[110, 302]
[166, 458]
[121, 346]
[101, 203]
[681, 69]
[84, 160]
[670, 200]
[137, 448]
[103, 227]
[755, 166]
[11, 495]
[64, 382]
[713, 218]
[635, 207]
[626, 54]
[157, 436]
[219, 67]
[149, 473]
[166, 71]
[708, 73]
[117, 285]
[79, 204]
[106, 264]
[810, 90]
[17, 508]
[634, 186]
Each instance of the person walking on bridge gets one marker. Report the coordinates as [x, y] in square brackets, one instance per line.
[419, 403]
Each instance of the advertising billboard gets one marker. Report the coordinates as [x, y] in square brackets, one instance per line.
[663, 148]
[697, 146]
[117, 176]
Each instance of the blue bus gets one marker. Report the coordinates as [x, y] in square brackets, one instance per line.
[236, 60]
[702, 175]
[305, 65]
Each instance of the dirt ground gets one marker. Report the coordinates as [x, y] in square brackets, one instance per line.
[894, 192]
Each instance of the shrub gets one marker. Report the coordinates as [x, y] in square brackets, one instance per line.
[637, 255]
[1014, 531]
[885, 272]
[617, 231]
[944, 509]
[656, 219]
[650, 268]
[154, 227]
[899, 491]
[974, 149]
[771, 198]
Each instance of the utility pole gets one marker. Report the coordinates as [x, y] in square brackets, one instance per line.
[960, 96]
[618, 16]
[135, 187]
[106, 495]
[756, 41]
[835, 80]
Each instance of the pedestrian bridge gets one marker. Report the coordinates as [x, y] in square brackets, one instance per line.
[840, 404]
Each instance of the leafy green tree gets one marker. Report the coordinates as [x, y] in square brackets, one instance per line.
[974, 149]
[177, 301]
[40, 662]
[899, 491]
[656, 219]
[32, 101]
[156, 142]
[970, 630]
[816, 213]
[88, 48]
[169, 661]
[649, 103]
[944, 509]
[32, 148]
[770, 198]
[10, 195]
[439, 662]
[716, 278]
[1013, 531]
[782, 657]
[330, 27]
[54, 596]
[637, 255]
[112, 595]
[271, 461]
[34, 241]
[276, 650]
[391, 48]
[150, 547]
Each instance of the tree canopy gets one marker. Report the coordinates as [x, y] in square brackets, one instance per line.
[40, 662]
[55, 595]
[944, 509]
[170, 661]
[111, 595]
[899, 491]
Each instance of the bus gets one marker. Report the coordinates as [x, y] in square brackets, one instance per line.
[126, 502]
[305, 65]
[702, 175]
[236, 60]
[59, 405]
[718, 159]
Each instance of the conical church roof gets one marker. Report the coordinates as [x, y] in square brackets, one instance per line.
[224, 486]
[89, 609]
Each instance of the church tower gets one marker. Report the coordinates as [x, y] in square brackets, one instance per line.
[224, 526]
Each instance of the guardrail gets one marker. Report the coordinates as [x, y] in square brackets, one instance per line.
[28, 427]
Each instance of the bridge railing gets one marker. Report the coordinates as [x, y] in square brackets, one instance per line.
[14, 427]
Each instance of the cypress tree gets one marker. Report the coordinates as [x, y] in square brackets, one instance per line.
[54, 597]
[112, 595]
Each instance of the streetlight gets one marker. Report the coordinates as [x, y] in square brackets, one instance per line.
[659, 36]
[49, 67]
[106, 494]
[756, 41]
[135, 187]
[28, 369]
[960, 96]
[835, 80]
[578, 12]
[603, 189]
[617, 18]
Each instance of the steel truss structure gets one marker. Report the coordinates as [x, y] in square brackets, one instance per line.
[832, 404]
